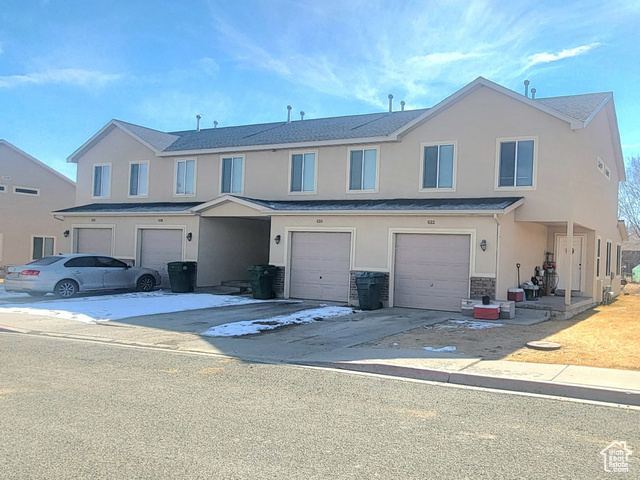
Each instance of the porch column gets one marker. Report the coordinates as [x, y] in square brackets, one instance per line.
[569, 264]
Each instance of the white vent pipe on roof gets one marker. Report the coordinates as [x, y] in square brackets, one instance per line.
[215, 124]
[198, 117]
[390, 102]
[526, 88]
[289, 107]
[533, 93]
[402, 104]
[301, 114]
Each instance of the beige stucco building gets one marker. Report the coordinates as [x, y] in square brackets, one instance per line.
[29, 190]
[444, 201]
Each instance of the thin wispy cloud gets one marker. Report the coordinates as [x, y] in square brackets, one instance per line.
[554, 57]
[69, 76]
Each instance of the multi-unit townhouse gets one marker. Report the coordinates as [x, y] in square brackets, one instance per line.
[446, 201]
[29, 190]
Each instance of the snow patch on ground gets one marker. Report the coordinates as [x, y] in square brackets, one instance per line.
[249, 327]
[116, 307]
[443, 349]
[467, 324]
[4, 295]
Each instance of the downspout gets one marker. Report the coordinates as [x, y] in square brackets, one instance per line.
[495, 217]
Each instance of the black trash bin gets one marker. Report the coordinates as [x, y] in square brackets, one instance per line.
[261, 277]
[369, 286]
[182, 276]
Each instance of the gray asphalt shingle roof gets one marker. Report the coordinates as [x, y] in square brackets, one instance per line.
[131, 207]
[580, 107]
[298, 131]
[433, 204]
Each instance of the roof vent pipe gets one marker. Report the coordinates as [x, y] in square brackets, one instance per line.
[301, 114]
[533, 93]
[526, 88]
[198, 117]
[289, 107]
[402, 104]
[390, 102]
[215, 124]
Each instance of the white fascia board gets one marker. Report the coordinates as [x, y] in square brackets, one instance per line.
[122, 214]
[617, 144]
[103, 132]
[280, 146]
[230, 199]
[471, 87]
[598, 108]
[624, 233]
[36, 161]
[420, 213]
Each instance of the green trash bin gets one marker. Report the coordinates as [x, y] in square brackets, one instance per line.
[261, 277]
[182, 276]
[369, 286]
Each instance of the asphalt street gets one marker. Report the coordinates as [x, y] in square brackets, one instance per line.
[74, 409]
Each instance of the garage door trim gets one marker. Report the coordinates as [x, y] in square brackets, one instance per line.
[288, 236]
[422, 231]
[78, 226]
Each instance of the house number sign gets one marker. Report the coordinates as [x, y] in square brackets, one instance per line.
[431, 222]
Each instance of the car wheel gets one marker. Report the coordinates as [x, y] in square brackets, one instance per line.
[146, 283]
[66, 289]
[37, 294]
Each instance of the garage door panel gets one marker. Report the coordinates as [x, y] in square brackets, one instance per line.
[95, 241]
[320, 264]
[158, 247]
[431, 271]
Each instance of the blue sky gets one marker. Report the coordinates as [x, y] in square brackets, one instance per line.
[67, 67]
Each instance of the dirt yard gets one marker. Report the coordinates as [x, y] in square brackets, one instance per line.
[605, 336]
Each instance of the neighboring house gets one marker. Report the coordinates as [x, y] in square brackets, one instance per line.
[446, 200]
[29, 190]
[630, 257]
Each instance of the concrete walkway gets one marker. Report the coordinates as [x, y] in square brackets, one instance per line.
[342, 343]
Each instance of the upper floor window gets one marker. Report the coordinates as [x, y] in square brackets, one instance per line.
[438, 166]
[138, 179]
[42, 247]
[26, 191]
[516, 163]
[362, 169]
[231, 175]
[101, 180]
[303, 172]
[185, 177]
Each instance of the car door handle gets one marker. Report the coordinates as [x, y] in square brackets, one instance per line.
[77, 272]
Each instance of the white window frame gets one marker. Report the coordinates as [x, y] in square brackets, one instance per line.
[618, 259]
[534, 173]
[175, 177]
[147, 179]
[362, 191]
[93, 179]
[608, 258]
[244, 168]
[33, 237]
[598, 257]
[37, 190]
[421, 188]
[315, 172]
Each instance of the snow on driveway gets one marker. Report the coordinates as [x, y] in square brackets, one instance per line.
[248, 327]
[116, 307]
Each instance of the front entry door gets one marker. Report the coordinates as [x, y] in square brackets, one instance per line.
[563, 258]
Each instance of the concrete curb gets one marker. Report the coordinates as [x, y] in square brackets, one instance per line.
[583, 392]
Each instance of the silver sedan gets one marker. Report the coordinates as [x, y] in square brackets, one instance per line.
[66, 275]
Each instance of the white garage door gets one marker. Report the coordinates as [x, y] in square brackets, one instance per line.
[96, 241]
[431, 271]
[320, 265]
[159, 247]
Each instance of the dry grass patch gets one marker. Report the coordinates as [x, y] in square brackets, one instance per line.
[605, 336]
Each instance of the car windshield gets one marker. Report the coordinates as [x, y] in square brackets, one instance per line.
[45, 261]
